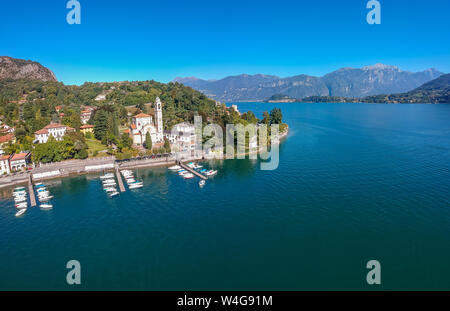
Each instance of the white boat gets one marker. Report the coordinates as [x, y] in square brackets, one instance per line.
[130, 181]
[20, 189]
[107, 176]
[108, 181]
[202, 183]
[21, 212]
[188, 176]
[22, 205]
[42, 190]
[46, 206]
[211, 173]
[110, 184]
[114, 194]
[45, 199]
[197, 167]
[174, 168]
[136, 186]
[18, 194]
[20, 200]
[110, 189]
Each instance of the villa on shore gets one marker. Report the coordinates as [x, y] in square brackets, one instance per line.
[53, 129]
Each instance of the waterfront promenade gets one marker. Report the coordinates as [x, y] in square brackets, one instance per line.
[77, 167]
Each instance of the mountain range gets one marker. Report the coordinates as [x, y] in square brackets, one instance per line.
[345, 82]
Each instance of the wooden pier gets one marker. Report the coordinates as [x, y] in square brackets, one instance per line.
[31, 191]
[191, 170]
[119, 179]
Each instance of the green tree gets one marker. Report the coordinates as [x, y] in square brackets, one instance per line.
[266, 118]
[148, 141]
[167, 145]
[101, 125]
[276, 117]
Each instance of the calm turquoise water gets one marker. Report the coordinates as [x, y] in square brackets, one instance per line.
[355, 183]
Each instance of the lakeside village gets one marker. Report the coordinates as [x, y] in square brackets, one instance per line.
[144, 135]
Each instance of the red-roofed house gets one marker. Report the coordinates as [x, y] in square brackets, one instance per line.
[4, 165]
[87, 129]
[19, 161]
[55, 129]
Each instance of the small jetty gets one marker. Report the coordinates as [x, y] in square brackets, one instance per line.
[191, 170]
[31, 191]
[119, 179]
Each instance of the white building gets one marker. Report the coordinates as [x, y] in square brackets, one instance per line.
[143, 123]
[182, 137]
[19, 161]
[4, 165]
[54, 129]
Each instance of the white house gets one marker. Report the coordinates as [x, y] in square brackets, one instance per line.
[143, 123]
[54, 129]
[182, 137]
[20, 161]
[4, 165]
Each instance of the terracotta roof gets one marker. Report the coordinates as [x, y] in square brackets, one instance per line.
[51, 126]
[127, 131]
[6, 138]
[43, 131]
[5, 157]
[133, 126]
[142, 115]
[87, 126]
[19, 156]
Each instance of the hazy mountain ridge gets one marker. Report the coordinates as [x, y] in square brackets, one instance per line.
[345, 82]
[435, 91]
[15, 69]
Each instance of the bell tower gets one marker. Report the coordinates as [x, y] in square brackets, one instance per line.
[158, 118]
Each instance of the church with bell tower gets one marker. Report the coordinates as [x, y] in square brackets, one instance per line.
[142, 124]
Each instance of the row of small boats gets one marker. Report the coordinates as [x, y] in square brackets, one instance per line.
[44, 196]
[131, 180]
[109, 185]
[186, 174]
[20, 200]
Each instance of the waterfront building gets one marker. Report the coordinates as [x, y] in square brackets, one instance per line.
[87, 129]
[20, 161]
[182, 137]
[144, 123]
[5, 141]
[4, 165]
[54, 129]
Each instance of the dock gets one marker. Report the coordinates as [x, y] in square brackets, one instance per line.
[119, 179]
[31, 191]
[187, 168]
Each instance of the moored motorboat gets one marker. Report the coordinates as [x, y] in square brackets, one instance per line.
[21, 212]
[21, 205]
[46, 206]
[188, 176]
[110, 189]
[107, 176]
[174, 168]
[45, 198]
[136, 186]
[211, 173]
[202, 183]
[113, 194]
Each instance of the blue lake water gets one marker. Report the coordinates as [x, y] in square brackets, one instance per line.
[355, 182]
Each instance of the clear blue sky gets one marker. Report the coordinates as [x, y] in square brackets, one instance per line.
[160, 40]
